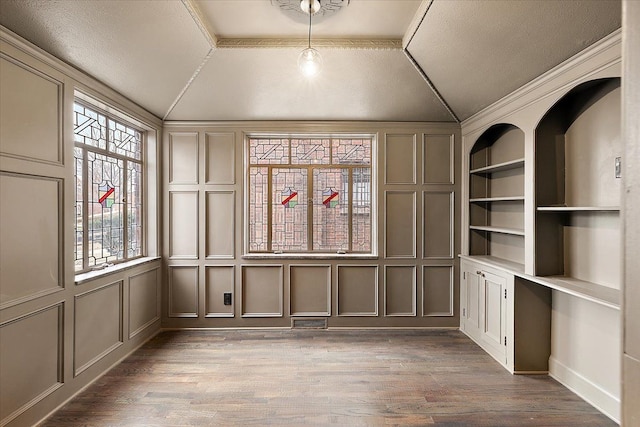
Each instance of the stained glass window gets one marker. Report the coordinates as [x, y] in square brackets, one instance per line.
[108, 176]
[309, 194]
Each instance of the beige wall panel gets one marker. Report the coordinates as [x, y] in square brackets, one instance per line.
[30, 232]
[358, 290]
[438, 223]
[310, 290]
[400, 224]
[507, 247]
[183, 291]
[221, 158]
[97, 325]
[31, 360]
[584, 260]
[183, 224]
[509, 146]
[31, 113]
[218, 280]
[221, 224]
[144, 301]
[183, 158]
[437, 290]
[400, 290]
[400, 159]
[592, 143]
[262, 291]
[438, 159]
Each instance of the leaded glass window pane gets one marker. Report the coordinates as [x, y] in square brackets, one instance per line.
[330, 210]
[289, 210]
[309, 194]
[109, 186]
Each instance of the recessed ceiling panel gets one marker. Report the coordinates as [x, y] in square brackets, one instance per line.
[476, 52]
[146, 50]
[262, 18]
[266, 84]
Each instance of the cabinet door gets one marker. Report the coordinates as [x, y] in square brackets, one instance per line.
[493, 316]
[471, 301]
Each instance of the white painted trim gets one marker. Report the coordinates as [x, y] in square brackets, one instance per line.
[601, 399]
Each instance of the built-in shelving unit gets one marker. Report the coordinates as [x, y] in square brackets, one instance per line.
[577, 230]
[496, 195]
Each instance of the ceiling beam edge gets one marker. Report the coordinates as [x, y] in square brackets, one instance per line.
[196, 15]
[416, 22]
[186, 87]
[431, 85]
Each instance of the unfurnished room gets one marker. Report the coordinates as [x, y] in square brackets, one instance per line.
[319, 212]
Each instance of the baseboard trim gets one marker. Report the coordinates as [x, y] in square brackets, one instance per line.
[90, 383]
[601, 399]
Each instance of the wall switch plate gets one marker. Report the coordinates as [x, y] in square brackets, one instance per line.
[227, 298]
[618, 167]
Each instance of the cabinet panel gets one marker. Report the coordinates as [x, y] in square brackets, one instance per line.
[493, 326]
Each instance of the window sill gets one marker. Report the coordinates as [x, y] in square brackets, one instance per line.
[309, 256]
[116, 268]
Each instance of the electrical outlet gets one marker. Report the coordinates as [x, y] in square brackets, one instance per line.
[618, 167]
[227, 298]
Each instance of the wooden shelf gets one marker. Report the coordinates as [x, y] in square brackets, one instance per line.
[578, 209]
[600, 294]
[497, 199]
[503, 230]
[512, 164]
[492, 261]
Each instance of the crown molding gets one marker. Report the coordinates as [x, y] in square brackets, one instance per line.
[274, 43]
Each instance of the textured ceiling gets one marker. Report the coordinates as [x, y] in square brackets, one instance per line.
[184, 60]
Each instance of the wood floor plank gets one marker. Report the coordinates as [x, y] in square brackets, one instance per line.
[318, 378]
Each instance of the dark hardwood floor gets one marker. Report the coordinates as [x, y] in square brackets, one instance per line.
[320, 377]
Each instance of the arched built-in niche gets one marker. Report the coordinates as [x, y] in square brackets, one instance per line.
[496, 195]
[577, 187]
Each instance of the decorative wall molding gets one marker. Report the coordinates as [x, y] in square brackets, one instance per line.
[275, 43]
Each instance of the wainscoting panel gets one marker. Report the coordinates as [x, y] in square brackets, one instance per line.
[183, 291]
[31, 220]
[400, 290]
[144, 300]
[438, 225]
[31, 358]
[400, 224]
[357, 290]
[33, 94]
[400, 159]
[218, 281]
[183, 158]
[183, 224]
[220, 225]
[437, 290]
[221, 158]
[438, 159]
[97, 325]
[310, 290]
[262, 290]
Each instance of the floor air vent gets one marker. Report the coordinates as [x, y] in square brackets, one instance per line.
[309, 323]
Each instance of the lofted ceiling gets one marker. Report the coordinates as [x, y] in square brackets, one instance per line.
[387, 60]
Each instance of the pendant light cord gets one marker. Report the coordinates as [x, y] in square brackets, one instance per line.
[310, 8]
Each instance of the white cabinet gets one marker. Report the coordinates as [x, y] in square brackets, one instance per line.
[484, 308]
[507, 315]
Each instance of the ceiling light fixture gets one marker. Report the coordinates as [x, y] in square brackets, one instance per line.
[310, 61]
